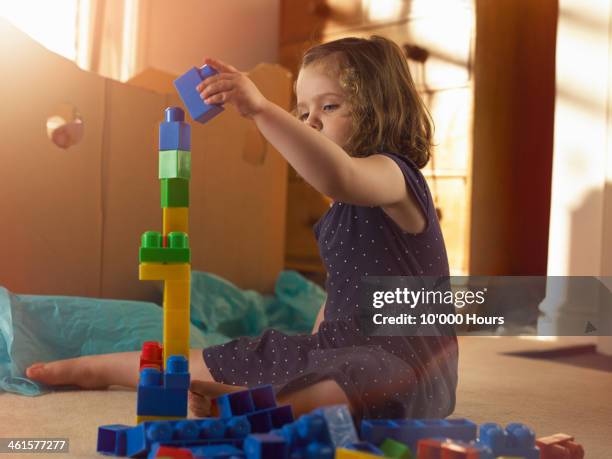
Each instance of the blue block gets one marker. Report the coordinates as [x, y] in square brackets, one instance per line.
[318, 450]
[265, 446]
[366, 447]
[176, 375]
[217, 452]
[235, 404]
[410, 431]
[516, 440]
[339, 425]
[261, 421]
[174, 133]
[153, 399]
[186, 86]
[112, 439]
[280, 416]
[186, 433]
[263, 397]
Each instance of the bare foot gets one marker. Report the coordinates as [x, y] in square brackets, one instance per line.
[79, 372]
[201, 394]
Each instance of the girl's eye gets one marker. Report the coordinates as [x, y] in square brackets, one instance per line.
[329, 107]
[303, 117]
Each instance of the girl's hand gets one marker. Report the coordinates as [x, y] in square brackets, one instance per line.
[232, 86]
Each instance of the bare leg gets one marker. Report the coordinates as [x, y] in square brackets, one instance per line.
[101, 371]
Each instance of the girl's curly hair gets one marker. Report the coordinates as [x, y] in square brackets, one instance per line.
[388, 113]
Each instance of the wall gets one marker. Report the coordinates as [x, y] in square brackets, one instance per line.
[240, 32]
[72, 219]
[580, 242]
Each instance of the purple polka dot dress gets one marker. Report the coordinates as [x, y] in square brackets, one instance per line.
[383, 377]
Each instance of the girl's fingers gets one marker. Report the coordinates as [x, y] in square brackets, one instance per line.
[220, 97]
[219, 66]
[217, 87]
[213, 79]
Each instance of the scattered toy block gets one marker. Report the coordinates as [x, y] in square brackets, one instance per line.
[224, 451]
[174, 133]
[235, 404]
[265, 446]
[339, 424]
[559, 446]
[186, 86]
[515, 440]
[263, 397]
[395, 450]
[280, 416]
[347, 453]
[186, 433]
[112, 439]
[174, 164]
[163, 271]
[365, 447]
[410, 431]
[169, 452]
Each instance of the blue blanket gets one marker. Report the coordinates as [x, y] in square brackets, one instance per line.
[43, 328]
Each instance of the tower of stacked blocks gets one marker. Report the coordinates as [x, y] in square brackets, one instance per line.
[164, 369]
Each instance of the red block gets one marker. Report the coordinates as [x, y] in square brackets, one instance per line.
[151, 355]
[174, 453]
[559, 446]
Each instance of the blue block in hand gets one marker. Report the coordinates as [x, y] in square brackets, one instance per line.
[186, 86]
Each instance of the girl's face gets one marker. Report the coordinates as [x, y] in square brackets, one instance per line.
[322, 105]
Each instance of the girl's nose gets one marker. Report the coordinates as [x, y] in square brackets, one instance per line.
[314, 123]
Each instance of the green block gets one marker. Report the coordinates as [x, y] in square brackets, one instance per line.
[177, 250]
[395, 449]
[174, 192]
[174, 164]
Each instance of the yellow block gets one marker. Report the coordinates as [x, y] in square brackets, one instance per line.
[343, 453]
[175, 219]
[177, 293]
[176, 318]
[140, 419]
[164, 271]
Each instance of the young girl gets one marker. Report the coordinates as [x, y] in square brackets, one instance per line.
[361, 135]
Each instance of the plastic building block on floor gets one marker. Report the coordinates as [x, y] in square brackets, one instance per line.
[151, 355]
[169, 452]
[347, 453]
[186, 86]
[164, 393]
[265, 446]
[263, 397]
[339, 424]
[177, 250]
[410, 431]
[217, 452]
[174, 133]
[395, 450]
[313, 434]
[112, 439]
[559, 446]
[365, 447]
[515, 440]
[186, 433]
[235, 404]
[445, 448]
